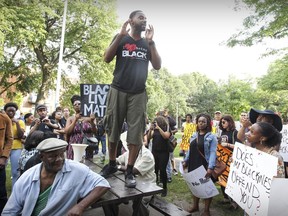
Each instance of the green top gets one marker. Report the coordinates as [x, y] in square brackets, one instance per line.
[41, 201]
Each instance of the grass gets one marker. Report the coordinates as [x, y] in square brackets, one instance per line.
[8, 179]
[178, 190]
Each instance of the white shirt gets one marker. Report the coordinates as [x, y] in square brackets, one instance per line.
[72, 182]
[144, 163]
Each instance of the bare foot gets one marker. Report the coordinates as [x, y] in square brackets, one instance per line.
[193, 209]
[206, 213]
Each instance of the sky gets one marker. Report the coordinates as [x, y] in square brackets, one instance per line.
[188, 35]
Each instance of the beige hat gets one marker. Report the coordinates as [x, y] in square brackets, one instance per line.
[51, 144]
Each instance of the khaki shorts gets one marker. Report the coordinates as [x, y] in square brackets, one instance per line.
[129, 107]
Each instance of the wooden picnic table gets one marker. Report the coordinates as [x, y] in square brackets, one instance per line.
[118, 193]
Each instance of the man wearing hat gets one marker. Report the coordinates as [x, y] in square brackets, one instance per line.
[43, 123]
[54, 186]
[259, 116]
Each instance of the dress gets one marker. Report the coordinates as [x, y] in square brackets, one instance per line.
[189, 129]
[76, 137]
[73, 182]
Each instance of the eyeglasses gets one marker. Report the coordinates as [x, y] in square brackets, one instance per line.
[77, 104]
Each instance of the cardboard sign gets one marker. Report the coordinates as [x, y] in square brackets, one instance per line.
[224, 155]
[284, 144]
[278, 203]
[199, 185]
[93, 99]
[250, 178]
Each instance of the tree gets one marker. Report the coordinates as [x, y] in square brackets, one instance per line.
[32, 49]
[277, 76]
[269, 21]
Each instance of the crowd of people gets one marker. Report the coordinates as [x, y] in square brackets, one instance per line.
[37, 146]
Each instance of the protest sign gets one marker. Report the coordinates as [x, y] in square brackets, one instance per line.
[284, 143]
[250, 178]
[278, 203]
[224, 155]
[93, 99]
[199, 185]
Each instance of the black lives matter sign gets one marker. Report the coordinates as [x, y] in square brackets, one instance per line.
[93, 99]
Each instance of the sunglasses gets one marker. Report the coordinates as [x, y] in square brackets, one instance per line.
[223, 122]
[77, 104]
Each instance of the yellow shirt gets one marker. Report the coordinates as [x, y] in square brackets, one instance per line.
[17, 144]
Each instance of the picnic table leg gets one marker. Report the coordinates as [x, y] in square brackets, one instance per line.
[110, 210]
[139, 208]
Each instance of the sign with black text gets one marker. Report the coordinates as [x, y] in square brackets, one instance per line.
[93, 99]
[250, 178]
[284, 144]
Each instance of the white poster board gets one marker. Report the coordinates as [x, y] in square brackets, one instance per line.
[278, 203]
[284, 143]
[199, 185]
[250, 178]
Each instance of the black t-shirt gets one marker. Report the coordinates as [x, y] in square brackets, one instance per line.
[158, 142]
[43, 127]
[131, 70]
[229, 137]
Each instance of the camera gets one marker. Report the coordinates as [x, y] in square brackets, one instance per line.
[154, 124]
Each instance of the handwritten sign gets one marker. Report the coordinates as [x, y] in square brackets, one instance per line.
[224, 155]
[278, 202]
[93, 99]
[199, 185]
[284, 144]
[250, 179]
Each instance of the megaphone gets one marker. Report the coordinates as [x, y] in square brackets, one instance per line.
[78, 150]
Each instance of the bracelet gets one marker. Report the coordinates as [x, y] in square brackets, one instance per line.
[151, 43]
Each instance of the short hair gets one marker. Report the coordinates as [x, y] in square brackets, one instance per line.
[33, 139]
[75, 98]
[134, 13]
[188, 115]
[27, 115]
[10, 104]
[208, 118]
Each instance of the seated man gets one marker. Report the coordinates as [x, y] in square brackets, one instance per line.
[143, 167]
[54, 186]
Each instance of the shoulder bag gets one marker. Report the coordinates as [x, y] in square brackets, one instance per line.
[219, 168]
[90, 141]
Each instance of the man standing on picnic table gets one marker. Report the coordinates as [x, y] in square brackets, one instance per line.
[127, 98]
[56, 186]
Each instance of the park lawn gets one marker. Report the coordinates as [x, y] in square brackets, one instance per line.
[8, 179]
[177, 190]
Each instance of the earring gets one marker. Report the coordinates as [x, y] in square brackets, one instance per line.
[261, 141]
